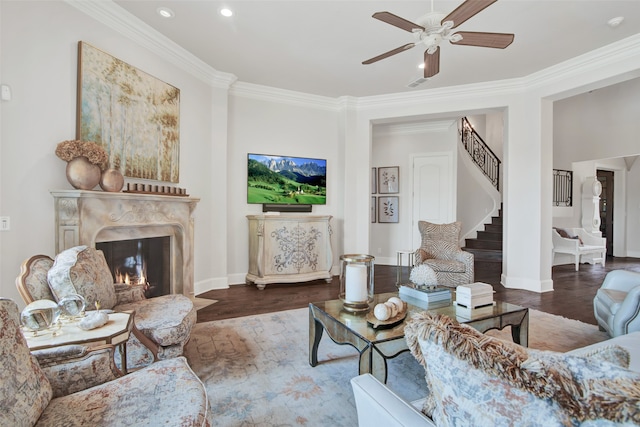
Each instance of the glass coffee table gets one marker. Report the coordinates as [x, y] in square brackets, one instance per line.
[376, 346]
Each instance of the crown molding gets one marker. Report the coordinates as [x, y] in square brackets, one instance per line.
[121, 21]
[271, 94]
[117, 18]
[622, 50]
[443, 94]
[413, 128]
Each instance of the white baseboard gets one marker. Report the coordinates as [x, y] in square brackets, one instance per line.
[526, 284]
[237, 279]
[209, 285]
[633, 254]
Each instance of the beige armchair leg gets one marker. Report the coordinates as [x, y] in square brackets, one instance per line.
[153, 347]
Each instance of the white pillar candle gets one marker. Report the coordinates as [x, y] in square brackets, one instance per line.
[356, 283]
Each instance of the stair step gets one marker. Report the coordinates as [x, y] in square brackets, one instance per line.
[489, 235]
[493, 228]
[486, 255]
[484, 244]
[496, 220]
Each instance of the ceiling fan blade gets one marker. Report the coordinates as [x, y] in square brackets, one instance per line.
[495, 40]
[467, 10]
[431, 63]
[388, 54]
[397, 21]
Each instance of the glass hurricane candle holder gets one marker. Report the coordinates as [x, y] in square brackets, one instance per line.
[356, 281]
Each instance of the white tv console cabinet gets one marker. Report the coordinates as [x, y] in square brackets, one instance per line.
[289, 249]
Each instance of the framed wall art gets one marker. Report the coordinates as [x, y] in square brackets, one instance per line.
[374, 180]
[388, 209]
[134, 116]
[373, 209]
[389, 180]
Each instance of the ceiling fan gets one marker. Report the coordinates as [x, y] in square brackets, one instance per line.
[434, 27]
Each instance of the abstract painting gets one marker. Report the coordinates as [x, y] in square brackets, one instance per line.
[134, 116]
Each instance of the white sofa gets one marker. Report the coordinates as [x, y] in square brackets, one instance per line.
[377, 405]
[580, 244]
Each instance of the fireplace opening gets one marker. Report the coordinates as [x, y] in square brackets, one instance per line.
[140, 261]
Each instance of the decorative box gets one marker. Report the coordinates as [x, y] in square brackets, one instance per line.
[474, 295]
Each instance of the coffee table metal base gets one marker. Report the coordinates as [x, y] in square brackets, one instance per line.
[373, 356]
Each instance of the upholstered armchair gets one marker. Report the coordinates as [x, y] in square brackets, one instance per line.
[80, 387]
[616, 306]
[440, 250]
[162, 325]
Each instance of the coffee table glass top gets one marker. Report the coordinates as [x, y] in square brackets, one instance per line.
[357, 322]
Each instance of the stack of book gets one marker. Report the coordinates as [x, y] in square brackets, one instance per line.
[427, 295]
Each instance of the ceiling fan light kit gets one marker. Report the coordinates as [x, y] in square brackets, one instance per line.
[434, 27]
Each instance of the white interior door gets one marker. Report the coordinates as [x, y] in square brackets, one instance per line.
[433, 191]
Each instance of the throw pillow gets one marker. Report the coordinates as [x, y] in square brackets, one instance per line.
[83, 270]
[439, 240]
[485, 381]
[563, 233]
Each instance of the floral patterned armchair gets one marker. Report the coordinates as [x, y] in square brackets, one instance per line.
[162, 324]
[79, 387]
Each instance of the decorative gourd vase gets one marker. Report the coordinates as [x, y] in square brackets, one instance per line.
[82, 174]
[112, 180]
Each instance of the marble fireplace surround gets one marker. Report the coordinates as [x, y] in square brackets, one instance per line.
[87, 217]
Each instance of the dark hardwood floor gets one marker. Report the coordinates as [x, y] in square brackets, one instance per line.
[572, 296]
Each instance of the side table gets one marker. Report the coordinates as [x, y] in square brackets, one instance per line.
[410, 261]
[116, 331]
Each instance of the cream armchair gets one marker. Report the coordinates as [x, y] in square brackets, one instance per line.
[89, 389]
[616, 305]
[162, 324]
[440, 250]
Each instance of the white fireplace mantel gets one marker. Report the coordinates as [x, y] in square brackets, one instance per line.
[87, 217]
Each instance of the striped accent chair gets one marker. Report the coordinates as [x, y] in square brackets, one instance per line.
[440, 250]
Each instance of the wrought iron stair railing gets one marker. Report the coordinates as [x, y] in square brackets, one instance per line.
[480, 153]
[562, 187]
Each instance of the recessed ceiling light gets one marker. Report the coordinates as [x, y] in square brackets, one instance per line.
[226, 12]
[165, 12]
[614, 22]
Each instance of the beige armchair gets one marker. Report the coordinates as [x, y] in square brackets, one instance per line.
[162, 324]
[80, 387]
[440, 250]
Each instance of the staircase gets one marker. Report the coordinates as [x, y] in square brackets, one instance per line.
[487, 246]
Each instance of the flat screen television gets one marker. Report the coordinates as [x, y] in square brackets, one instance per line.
[285, 180]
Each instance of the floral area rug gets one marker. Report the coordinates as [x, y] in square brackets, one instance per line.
[257, 373]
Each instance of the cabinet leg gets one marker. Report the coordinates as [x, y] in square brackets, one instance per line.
[261, 287]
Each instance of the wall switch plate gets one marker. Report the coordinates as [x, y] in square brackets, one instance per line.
[5, 223]
[6, 93]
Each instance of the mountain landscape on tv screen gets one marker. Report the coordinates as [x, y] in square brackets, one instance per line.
[286, 180]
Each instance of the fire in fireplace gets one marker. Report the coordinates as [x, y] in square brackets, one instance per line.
[140, 261]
